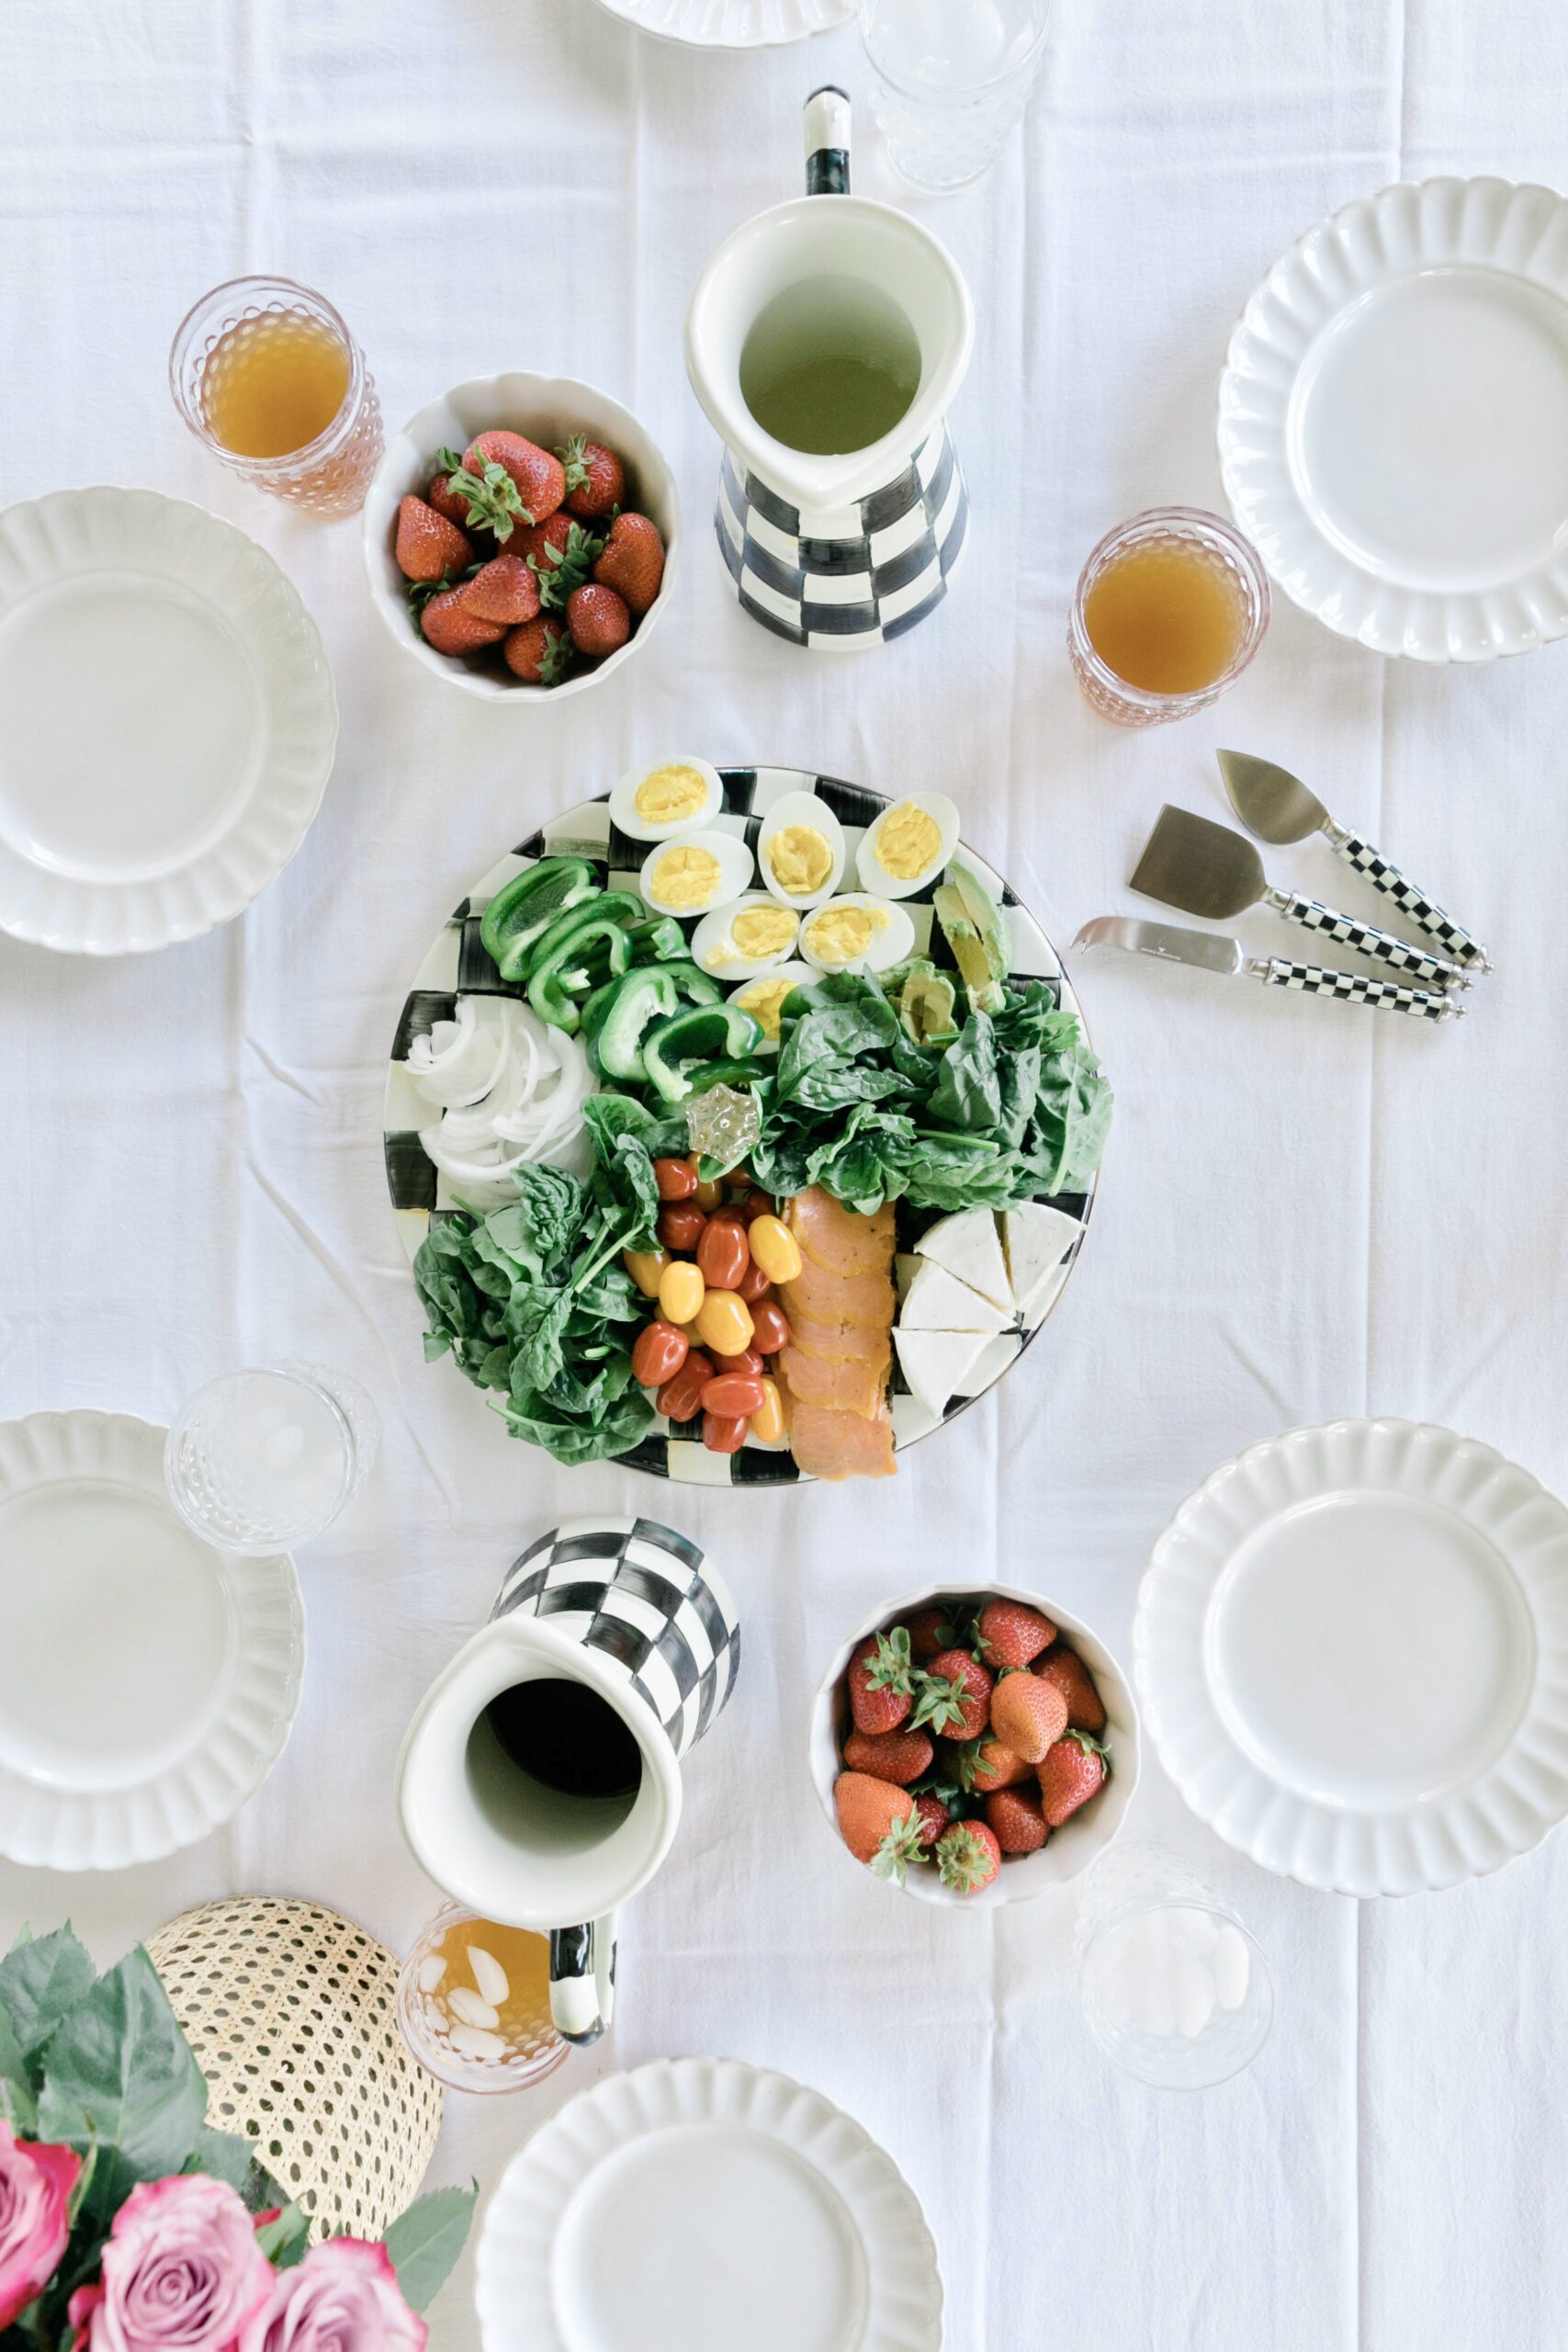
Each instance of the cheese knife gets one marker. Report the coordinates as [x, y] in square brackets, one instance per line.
[1211, 951]
[1205, 869]
[1276, 807]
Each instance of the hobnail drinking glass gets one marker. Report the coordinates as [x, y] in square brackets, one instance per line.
[476, 2054]
[949, 79]
[1194, 529]
[267, 1457]
[1174, 1988]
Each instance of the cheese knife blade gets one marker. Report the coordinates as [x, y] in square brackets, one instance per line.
[1212, 951]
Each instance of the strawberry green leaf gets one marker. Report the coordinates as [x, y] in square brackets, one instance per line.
[888, 1666]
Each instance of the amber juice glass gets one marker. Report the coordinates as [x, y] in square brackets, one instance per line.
[327, 476]
[1210, 539]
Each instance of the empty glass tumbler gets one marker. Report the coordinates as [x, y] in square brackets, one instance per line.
[950, 78]
[265, 1458]
[1174, 1989]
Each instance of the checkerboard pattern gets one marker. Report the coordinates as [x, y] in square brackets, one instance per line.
[645, 1600]
[841, 582]
[457, 965]
[1450, 936]
[1355, 987]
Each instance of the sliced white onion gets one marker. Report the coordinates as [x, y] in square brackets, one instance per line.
[529, 1108]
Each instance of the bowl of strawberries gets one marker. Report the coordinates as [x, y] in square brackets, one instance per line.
[975, 1748]
[521, 537]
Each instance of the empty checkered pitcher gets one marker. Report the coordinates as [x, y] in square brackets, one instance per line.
[539, 1782]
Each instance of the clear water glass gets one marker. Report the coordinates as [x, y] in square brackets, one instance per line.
[949, 79]
[481, 2052]
[1174, 1988]
[265, 1458]
[1215, 541]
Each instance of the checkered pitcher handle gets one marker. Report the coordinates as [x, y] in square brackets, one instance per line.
[1353, 987]
[1425, 913]
[1368, 940]
[827, 125]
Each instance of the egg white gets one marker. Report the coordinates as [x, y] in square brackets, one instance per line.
[888, 946]
[714, 928]
[874, 876]
[802, 808]
[623, 807]
[802, 975]
[735, 869]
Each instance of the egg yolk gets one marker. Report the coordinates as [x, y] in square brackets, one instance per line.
[801, 859]
[764, 1001]
[907, 839]
[666, 795]
[763, 931]
[685, 877]
[840, 934]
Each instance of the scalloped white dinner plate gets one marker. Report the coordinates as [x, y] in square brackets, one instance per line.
[732, 24]
[1351, 1651]
[147, 1681]
[703, 2205]
[167, 720]
[1390, 419]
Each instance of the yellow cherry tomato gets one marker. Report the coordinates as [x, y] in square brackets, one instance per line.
[681, 1292]
[775, 1249]
[767, 1421]
[723, 1323]
[646, 1268]
[708, 1196]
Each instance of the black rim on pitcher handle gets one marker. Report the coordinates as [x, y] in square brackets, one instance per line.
[828, 142]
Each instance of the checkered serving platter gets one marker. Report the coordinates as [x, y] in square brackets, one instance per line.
[457, 965]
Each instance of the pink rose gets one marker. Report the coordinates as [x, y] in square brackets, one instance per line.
[36, 2182]
[343, 2298]
[181, 2272]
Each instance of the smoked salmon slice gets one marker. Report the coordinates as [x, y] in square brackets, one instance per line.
[852, 1387]
[838, 1342]
[841, 1240]
[824, 1297]
[828, 1443]
[832, 1375]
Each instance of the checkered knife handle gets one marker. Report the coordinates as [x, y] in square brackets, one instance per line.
[1450, 936]
[1352, 988]
[1366, 939]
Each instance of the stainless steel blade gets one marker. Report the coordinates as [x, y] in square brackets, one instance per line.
[1269, 800]
[1171, 943]
[1203, 868]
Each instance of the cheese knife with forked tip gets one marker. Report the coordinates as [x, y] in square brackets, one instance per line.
[1211, 951]
[1276, 807]
[1205, 869]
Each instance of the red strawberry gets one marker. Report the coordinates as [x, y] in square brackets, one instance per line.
[1016, 1821]
[968, 1856]
[633, 562]
[541, 543]
[505, 591]
[900, 1756]
[932, 1814]
[452, 630]
[882, 1688]
[877, 1822]
[428, 545]
[1067, 1673]
[955, 1695]
[595, 477]
[598, 620]
[931, 1630]
[444, 499]
[539, 652]
[1009, 1635]
[1070, 1774]
[540, 477]
[1027, 1714]
[996, 1767]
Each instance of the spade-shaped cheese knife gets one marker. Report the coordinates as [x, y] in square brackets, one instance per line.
[1211, 951]
[1205, 869]
[1276, 807]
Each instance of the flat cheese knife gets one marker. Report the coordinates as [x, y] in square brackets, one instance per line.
[1211, 951]
[1205, 869]
[1276, 807]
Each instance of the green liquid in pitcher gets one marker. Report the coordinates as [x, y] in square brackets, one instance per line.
[830, 366]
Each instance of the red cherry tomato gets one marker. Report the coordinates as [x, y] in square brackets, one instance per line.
[755, 1282]
[770, 1328]
[680, 1400]
[660, 1353]
[755, 1205]
[721, 1436]
[748, 1361]
[680, 1226]
[676, 1179]
[723, 1252]
[733, 1396]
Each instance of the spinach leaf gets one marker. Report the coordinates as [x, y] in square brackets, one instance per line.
[968, 1092]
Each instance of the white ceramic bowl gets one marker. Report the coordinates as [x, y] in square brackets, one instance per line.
[545, 408]
[1068, 1850]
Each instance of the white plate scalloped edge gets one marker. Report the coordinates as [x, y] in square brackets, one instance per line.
[1399, 1850]
[732, 24]
[1519, 230]
[514, 2290]
[76, 1829]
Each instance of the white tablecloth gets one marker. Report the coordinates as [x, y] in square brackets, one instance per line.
[1304, 1213]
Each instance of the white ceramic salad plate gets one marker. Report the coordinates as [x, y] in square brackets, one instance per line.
[1390, 419]
[1351, 1652]
[147, 1681]
[732, 24]
[698, 2205]
[167, 720]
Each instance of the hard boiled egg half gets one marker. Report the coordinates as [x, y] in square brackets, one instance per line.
[672, 797]
[801, 850]
[737, 943]
[908, 845]
[695, 873]
[856, 932]
[763, 998]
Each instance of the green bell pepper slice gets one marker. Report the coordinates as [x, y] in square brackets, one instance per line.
[659, 940]
[741, 1073]
[524, 908]
[702, 1033]
[574, 961]
[649, 993]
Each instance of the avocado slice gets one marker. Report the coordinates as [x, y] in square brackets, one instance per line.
[976, 931]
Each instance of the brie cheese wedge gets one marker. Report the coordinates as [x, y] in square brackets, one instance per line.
[939, 1365]
[938, 1301]
[1038, 1238]
[967, 1245]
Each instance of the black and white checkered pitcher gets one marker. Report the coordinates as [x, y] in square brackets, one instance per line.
[539, 1782]
[848, 542]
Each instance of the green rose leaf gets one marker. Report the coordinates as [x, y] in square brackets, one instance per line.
[284, 2240]
[40, 1981]
[121, 2075]
[225, 2154]
[423, 2243]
